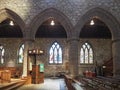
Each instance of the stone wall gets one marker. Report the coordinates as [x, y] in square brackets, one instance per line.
[101, 47]
[74, 13]
[45, 44]
[73, 9]
[11, 46]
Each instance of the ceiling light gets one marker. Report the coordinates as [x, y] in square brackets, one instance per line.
[92, 22]
[11, 23]
[52, 23]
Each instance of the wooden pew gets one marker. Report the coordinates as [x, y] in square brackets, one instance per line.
[103, 83]
[73, 84]
[69, 81]
[112, 83]
[16, 72]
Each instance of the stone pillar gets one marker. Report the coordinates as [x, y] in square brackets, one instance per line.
[73, 56]
[116, 57]
[28, 45]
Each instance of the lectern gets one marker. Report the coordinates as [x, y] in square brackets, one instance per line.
[37, 70]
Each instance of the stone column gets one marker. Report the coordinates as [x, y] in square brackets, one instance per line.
[116, 57]
[73, 56]
[28, 45]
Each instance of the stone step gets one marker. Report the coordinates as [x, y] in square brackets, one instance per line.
[12, 85]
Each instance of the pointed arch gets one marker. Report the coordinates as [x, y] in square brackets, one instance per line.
[7, 13]
[55, 54]
[47, 13]
[86, 54]
[102, 15]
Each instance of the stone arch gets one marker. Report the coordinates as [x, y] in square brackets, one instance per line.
[7, 13]
[44, 15]
[104, 16]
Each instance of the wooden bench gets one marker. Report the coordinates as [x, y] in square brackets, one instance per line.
[69, 82]
[102, 83]
[16, 72]
[90, 82]
[74, 84]
[110, 83]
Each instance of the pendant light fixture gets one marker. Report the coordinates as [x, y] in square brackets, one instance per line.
[92, 22]
[52, 23]
[11, 23]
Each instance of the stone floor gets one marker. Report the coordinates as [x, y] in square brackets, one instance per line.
[49, 84]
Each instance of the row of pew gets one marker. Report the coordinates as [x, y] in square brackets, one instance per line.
[16, 72]
[9, 83]
[104, 83]
[94, 83]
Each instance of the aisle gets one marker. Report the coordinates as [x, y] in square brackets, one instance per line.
[49, 84]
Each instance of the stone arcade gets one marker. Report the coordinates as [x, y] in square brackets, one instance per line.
[72, 46]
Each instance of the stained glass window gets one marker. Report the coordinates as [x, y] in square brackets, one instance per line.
[55, 54]
[2, 53]
[21, 54]
[86, 54]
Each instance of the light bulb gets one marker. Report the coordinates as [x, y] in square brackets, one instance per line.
[11, 23]
[41, 51]
[30, 51]
[92, 22]
[52, 23]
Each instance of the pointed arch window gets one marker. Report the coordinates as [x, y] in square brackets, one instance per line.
[55, 54]
[86, 54]
[21, 54]
[2, 53]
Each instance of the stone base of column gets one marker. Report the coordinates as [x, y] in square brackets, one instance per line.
[24, 73]
[23, 76]
[73, 71]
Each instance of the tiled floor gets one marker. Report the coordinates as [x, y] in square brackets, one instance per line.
[49, 84]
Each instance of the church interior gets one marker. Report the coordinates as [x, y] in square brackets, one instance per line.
[59, 45]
